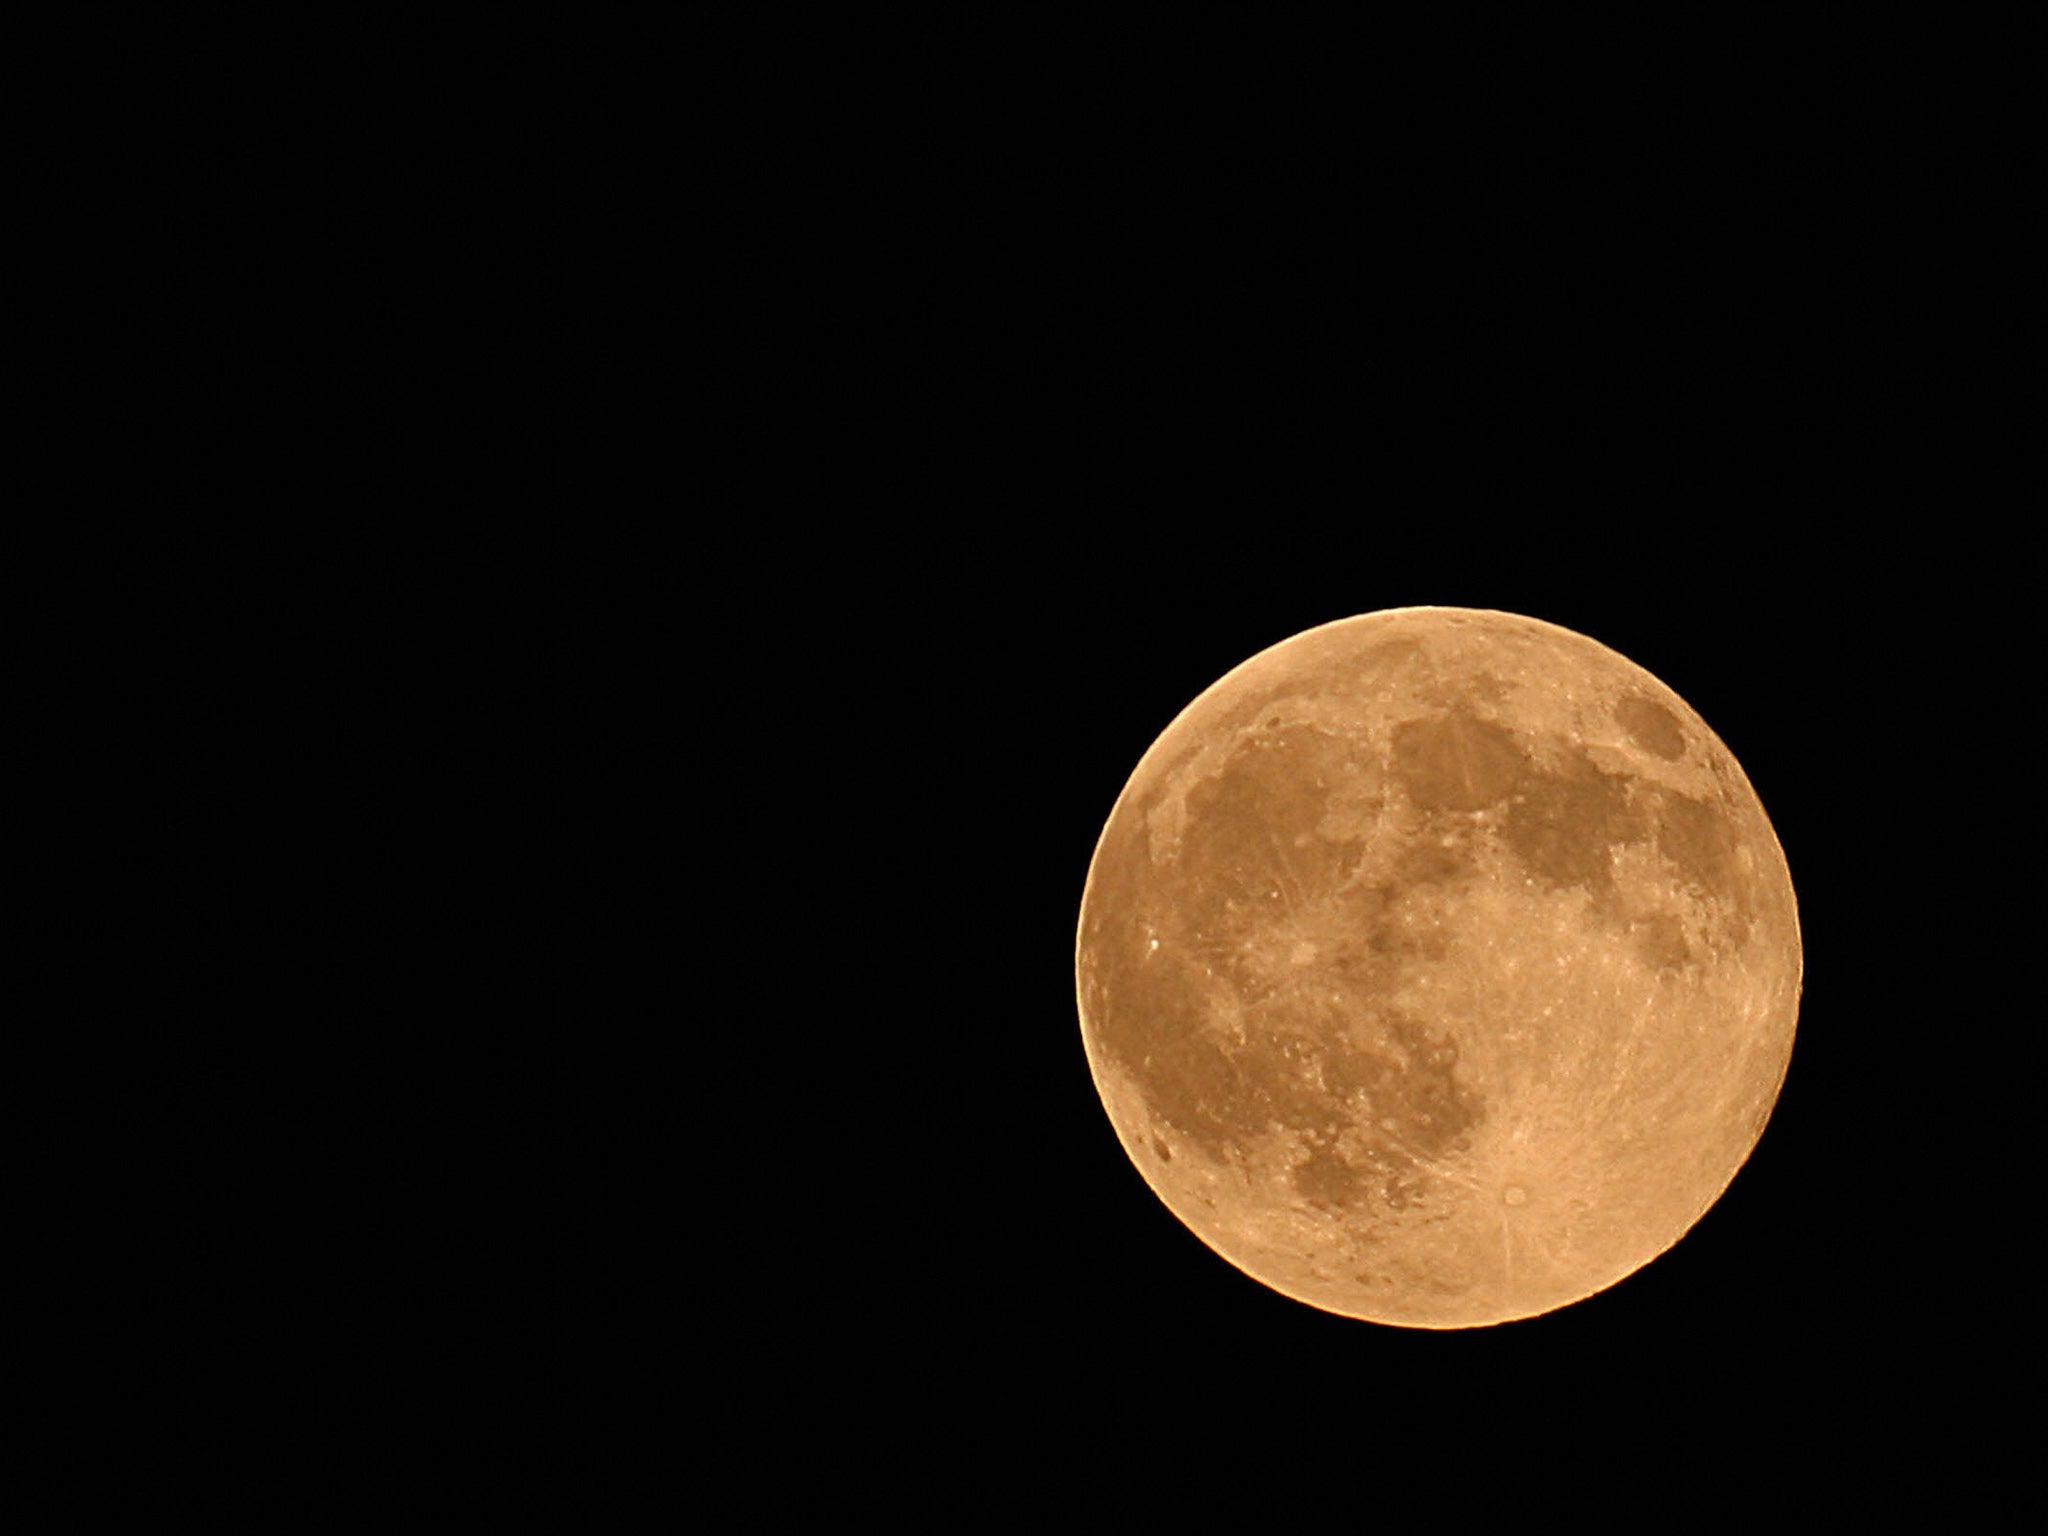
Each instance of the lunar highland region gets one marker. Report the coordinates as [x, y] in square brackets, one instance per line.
[1438, 967]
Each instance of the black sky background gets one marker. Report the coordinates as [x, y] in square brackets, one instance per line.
[684, 540]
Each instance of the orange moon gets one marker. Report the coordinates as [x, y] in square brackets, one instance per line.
[1438, 967]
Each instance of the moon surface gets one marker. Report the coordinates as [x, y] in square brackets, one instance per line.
[1438, 967]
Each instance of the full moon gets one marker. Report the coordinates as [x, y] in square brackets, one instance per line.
[1438, 967]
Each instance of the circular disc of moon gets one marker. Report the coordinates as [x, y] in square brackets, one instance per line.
[1438, 967]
